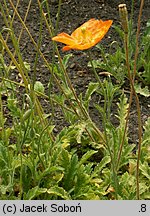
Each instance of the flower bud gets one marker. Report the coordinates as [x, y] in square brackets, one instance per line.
[123, 17]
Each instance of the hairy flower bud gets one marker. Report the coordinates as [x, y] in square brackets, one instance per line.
[123, 17]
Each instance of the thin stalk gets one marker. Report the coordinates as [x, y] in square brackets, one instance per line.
[114, 171]
[55, 78]
[37, 93]
[124, 20]
[20, 35]
[83, 110]
[131, 79]
[58, 15]
[130, 99]
[53, 63]
[13, 17]
[14, 61]
[137, 101]
[21, 71]
[39, 45]
[132, 11]
[98, 79]
[36, 46]
[104, 120]
[8, 23]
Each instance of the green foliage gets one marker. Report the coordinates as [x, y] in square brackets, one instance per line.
[55, 169]
[115, 63]
[38, 86]
[143, 61]
[92, 87]
[145, 156]
[142, 91]
[55, 173]
[112, 63]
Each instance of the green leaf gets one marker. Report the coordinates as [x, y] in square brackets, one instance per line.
[142, 91]
[92, 87]
[71, 172]
[86, 156]
[100, 109]
[147, 32]
[122, 111]
[66, 59]
[101, 165]
[38, 86]
[34, 192]
[81, 129]
[126, 154]
[27, 66]
[145, 169]
[49, 170]
[59, 191]
[12, 105]
[146, 136]
[96, 64]
[26, 115]
[64, 159]
[119, 31]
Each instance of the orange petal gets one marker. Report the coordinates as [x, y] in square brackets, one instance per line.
[64, 38]
[77, 47]
[66, 48]
[78, 31]
[97, 36]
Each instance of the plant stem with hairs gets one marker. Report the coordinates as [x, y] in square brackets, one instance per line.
[124, 20]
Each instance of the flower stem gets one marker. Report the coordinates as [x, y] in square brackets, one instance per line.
[137, 102]
[104, 121]
[131, 79]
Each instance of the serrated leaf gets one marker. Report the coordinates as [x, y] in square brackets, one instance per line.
[86, 156]
[147, 32]
[81, 129]
[126, 154]
[96, 63]
[71, 172]
[142, 91]
[34, 192]
[49, 170]
[101, 165]
[119, 31]
[91, 89]
[66, 59]
[145, 169]
[59, 191]
[146, 135]
[123, 109]
[64, 158]
[99, 108]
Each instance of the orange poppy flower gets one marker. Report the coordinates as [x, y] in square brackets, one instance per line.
[86, 36]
